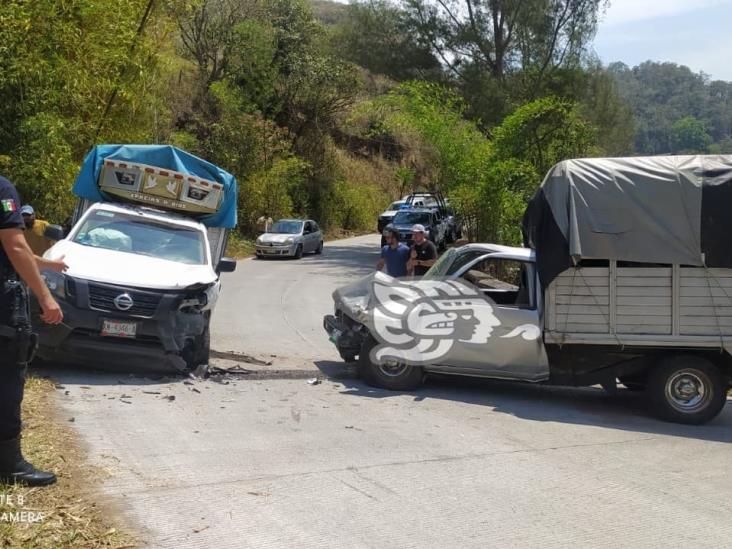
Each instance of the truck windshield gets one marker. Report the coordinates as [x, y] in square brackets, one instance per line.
[451, 261]
[406, 217]
[134, 234]
[285, 226]
[442, 265]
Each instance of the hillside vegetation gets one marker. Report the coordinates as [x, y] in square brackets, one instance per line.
[330, 110]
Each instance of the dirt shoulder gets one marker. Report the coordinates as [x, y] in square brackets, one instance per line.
[70, 513]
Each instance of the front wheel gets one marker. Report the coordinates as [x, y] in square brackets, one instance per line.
[319, 249]
[391, 375]
[198, 353]
[687, 389]
[298, 252]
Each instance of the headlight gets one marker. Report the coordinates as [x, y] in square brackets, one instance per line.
[56, 282]
[290, 241]
[259, 240]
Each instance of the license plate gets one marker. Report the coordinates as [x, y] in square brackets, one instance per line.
[118, 328]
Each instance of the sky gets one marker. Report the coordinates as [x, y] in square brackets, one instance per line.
[695, 33]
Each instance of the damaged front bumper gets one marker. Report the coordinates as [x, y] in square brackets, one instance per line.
[167, 323]
[347, 335]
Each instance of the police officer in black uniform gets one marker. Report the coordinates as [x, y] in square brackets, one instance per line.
[18, 267]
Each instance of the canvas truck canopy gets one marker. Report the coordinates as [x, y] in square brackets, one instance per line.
[664, 209]
[160, 176]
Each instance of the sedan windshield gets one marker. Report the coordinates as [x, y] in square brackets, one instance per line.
[137, 235]
[285, 226]
[410, 218]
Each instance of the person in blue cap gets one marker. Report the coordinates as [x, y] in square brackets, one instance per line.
[35, 231]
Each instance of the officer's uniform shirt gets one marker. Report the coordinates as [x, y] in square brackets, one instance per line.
[10, 217]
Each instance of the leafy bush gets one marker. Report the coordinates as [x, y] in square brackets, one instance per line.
[269, 192]
[543, 133]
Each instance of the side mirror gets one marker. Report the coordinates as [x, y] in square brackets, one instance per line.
[54, 232]
[226, 265]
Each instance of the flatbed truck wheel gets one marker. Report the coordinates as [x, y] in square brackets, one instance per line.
[686, 389]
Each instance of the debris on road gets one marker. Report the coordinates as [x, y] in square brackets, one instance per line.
[314, 381]
[201, 372]
[240, 357]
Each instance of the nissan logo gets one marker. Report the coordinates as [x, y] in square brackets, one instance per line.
[123, 302]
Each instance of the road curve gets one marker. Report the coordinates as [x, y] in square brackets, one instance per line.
[275, 306]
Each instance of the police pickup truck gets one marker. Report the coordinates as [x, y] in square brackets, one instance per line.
[144, 254]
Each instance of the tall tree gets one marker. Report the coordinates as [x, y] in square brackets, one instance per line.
[376, 35]
[501, 36]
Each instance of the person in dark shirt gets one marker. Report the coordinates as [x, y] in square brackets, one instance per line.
[423, 254]
[394, 255]
[18, 265]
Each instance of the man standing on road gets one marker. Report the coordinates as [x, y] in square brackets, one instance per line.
[394, 255]
[17, 342]
[423, 254]
[35, 231]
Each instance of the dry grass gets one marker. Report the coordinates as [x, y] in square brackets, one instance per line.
[71, 516]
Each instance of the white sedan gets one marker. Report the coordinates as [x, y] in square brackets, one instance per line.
[291, 238]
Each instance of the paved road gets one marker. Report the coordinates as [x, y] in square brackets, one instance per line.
[281, 463]
[275, 306]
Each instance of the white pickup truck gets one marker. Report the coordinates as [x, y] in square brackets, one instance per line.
[141, 287]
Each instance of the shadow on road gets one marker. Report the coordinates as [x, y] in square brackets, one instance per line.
[63, 373]
[625, 411]
[357, 259]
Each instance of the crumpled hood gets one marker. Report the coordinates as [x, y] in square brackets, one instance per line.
[354, 299]
[129, 269]
[275, 238]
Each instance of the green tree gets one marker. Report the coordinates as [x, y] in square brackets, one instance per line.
[60, 63]
[502, 36]
[376, 35]
[543, 133]
[689, 135]
[660, 94]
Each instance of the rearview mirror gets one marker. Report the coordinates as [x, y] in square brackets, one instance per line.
[226, 265]
[54, 232]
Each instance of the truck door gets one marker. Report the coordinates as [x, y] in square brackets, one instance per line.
[515, 347]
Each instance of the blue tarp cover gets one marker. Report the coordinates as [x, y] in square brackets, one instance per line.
[161, 156]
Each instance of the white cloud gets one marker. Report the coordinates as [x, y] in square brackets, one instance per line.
[628, 11]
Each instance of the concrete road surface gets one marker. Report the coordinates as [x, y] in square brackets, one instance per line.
[245, 462]
[275, 306]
